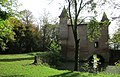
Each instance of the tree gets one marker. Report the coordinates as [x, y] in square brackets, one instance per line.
[26, 34]
[10, 6]
[28, 20]
[115, 40]
[27, 38]
[6, 33]
[49, 35]
[18, 29]
[27, 17]
[44, 29]
[48, 30]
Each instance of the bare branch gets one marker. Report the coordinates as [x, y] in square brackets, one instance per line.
[51, 2]
[69, 10]
[84, 19]
[75, 7]
[80, 7]
[116, 5]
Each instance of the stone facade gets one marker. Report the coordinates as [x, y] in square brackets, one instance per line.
[87, 48]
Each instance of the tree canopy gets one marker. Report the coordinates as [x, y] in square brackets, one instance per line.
[6, 33]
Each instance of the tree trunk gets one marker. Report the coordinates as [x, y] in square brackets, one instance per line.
[35, 60]
[76, 67]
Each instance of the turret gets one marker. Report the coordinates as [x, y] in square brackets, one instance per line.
[63, 24]
[105, 30]
[64, 13]
[104, 18]
[63, 16]
[63, 32]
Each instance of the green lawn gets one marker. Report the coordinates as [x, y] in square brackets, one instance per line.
[20, 65]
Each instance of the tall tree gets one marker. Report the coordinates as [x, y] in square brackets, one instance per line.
[44, 29]
[49, 35]
[48, 28]
[25, 32]
[27, 17]
[26, 37]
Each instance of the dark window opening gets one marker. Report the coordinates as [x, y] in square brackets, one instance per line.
[96, 44]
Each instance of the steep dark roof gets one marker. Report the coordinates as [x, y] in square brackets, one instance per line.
[64, 13]
[104, 18]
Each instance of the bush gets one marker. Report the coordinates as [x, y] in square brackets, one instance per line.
[51, 57]
[54, 53]
[117, 63]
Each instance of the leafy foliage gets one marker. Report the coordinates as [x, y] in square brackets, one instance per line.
[10, 6]
[117, 63]
[54, 55]
[51, 57]
[6, 27]
[6, 33]
[49, 34]
[94, 29]
[116, 39]
[26, 38]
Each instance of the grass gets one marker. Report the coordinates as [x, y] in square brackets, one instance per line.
[20, 65]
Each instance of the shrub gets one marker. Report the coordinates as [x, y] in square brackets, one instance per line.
[51, 57]
[117, 63]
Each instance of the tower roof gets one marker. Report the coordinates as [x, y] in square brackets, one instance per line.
[104, 18]
[64, 13]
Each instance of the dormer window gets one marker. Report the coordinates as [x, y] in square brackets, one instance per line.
[96, 44]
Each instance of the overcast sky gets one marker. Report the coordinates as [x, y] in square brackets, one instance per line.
[38, 6]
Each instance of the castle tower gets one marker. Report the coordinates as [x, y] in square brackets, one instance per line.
[103, 48]
[63, 24]
[105, 30]
[63, 31]
[98, 46]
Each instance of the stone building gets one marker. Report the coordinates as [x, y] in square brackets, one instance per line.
[87, 48]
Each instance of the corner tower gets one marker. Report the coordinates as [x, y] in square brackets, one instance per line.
[63, 26]
[103, 41]
[63, 31]
[104, 17]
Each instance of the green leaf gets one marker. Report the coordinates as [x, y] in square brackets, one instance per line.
[94, 29]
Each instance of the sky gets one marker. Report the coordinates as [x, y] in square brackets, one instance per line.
[37, 7]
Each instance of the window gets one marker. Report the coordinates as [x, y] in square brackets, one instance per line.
[96, 44]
